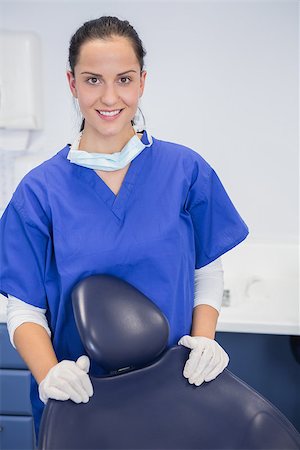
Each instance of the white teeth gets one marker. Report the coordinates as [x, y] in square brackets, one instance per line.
[112, 113]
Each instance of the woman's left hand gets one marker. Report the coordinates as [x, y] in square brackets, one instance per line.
[206, 361]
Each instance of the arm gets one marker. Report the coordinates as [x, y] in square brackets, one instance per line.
[209, 286]
[61, 381]
[30, 335]
[207, 358]
[204, 322]
[35, 347]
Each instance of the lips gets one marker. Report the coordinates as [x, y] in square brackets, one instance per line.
[109, 117]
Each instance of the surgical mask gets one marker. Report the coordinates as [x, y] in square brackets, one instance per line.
[108, 161]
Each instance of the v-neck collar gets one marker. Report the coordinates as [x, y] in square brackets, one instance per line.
[115, 202]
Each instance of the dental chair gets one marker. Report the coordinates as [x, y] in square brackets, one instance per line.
[144, 401]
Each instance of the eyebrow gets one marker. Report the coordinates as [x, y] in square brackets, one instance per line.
[101, 76]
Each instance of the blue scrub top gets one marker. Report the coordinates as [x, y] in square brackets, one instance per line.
[63, 223]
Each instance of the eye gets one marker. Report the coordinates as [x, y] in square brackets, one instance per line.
[93, 78]
[125, 78]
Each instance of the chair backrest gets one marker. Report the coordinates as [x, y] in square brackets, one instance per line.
[144, 402]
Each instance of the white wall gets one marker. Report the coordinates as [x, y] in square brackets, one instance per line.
[222, 79]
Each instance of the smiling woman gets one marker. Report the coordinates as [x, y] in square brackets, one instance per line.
[146, 210]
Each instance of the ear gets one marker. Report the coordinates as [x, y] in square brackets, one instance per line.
[72, 83]
[142, 82]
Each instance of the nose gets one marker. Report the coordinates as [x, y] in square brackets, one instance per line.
[109, 94]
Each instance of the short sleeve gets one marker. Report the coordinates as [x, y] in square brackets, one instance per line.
[24, 242]
[218, 227]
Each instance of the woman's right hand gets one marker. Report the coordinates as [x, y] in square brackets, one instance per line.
[68, 380]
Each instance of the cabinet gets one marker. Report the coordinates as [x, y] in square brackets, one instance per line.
[16, 421]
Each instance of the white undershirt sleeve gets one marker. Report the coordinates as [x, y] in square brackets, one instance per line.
[209, 284]
[19, 312]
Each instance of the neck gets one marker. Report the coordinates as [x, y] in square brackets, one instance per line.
[97, 143]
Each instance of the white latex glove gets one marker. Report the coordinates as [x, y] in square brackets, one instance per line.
[68, 380]
[206, 360]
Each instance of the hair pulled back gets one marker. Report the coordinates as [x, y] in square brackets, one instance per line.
[105, 27]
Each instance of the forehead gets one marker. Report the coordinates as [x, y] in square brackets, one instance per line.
[114, 52]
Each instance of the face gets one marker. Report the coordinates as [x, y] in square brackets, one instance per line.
[107, 78]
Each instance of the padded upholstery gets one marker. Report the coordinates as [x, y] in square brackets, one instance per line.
[144, 402]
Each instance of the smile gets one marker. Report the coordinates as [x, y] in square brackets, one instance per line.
[109, 115]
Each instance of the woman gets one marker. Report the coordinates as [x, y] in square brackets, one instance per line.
[151, 212]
